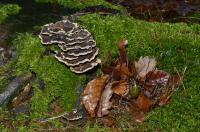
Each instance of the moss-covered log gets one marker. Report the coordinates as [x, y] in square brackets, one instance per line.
[172, 44]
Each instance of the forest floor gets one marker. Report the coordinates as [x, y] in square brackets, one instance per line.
[174, 45]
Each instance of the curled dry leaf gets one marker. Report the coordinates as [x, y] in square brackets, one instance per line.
[174, 81]
[105, 104]
[152, 86]
[122, 51]
[121, 88]
[155, 82]
[92, 93]
[144, 65]
[158, 77]
[120, 72]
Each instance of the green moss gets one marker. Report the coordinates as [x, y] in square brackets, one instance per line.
[6, 10]
[78, 3]
[173, 45]
[60, 82]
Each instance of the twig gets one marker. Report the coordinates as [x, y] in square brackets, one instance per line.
[53, 118]
[187, 18]
[15, 85]
[181, 78]
[74, 112]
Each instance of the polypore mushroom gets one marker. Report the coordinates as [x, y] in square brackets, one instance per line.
[78, 48]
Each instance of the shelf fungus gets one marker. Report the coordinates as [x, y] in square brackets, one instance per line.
[78, 48]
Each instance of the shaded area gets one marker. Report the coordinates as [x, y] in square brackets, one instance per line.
[161, 10]
[30, 19]
[32, 14]
[14, 86]
[6, 52]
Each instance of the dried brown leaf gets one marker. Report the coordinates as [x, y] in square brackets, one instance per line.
[145, 65]
[157, 77]
[92, 93]
[105, 103]
[155, 83]
[106, 69]
[121, 71]
[122, 51]
[144, 103]
[164, 99]
[121, 88]
[174, 81]
[132, 70]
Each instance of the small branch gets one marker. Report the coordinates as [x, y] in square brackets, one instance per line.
[181, 77]
[71, 116]
[15, 85]
[53, 118]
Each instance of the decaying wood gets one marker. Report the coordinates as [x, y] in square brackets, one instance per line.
[13, 87]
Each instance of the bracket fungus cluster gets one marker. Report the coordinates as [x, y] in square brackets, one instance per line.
[78, 48]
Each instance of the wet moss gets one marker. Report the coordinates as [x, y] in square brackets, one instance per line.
[172, 44]
[6, 10]
[77, 3]
[60, 82]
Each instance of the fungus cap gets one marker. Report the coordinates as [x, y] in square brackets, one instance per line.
[78, 48]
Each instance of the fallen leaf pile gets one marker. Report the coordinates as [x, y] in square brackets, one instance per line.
[123, 78]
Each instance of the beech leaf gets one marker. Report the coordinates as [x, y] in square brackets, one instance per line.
[92, 93]
[121, 71]
[121, 88]
[144, 103]
[145, 65]
[105, 104]
[157, 77]
[154, 83]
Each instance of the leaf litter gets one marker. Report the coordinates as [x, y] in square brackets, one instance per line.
[127, 86]
[139, 83]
